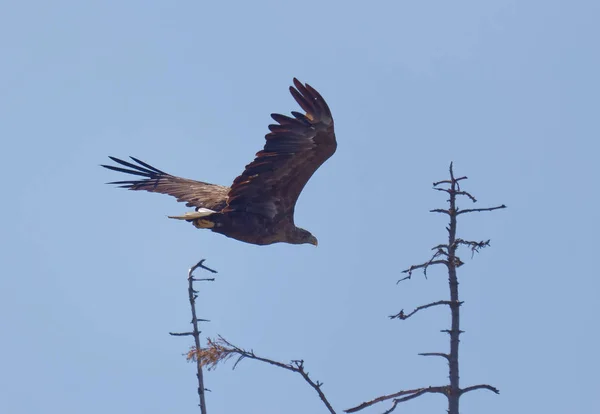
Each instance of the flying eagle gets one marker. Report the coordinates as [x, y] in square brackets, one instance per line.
[258, 208]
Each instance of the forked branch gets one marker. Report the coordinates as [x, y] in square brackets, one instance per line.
[220, 350]
[404, 396]
[440, 252]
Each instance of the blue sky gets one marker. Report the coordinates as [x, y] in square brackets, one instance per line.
[94, 278]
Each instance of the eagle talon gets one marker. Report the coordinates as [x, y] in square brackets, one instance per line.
[204, 224]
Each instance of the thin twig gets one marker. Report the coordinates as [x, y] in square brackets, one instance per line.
[440, 354]
[402, 315]
[200, 264]
[473, 199]
[479, 387]
[473, 210]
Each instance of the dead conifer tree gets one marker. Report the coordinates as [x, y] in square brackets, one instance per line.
[195, 332]
[220, 350]
[445, 255]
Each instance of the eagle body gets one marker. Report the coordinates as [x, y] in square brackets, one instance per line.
[258, 208]
[253, 228]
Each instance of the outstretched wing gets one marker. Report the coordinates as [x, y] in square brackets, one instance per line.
[194, 193]
[294, 150]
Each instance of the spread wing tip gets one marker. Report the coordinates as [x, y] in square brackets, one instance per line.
[312, 102]
[141, 168]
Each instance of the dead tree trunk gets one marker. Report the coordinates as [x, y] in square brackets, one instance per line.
[444, 254]
[192, 296]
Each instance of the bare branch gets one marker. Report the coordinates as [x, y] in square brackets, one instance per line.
[473, 210]
[402, 315]
[439, 210]
[406, 395]
[221, 350]
[439, 252]
[475, 246]
[449, 182]
[473, 199]
[201, 265]
[450, 191]
[450, 331]
[432, 390]
[181, 333]
[423, 266]
[394, 405]
[440, 354]
[479, 387]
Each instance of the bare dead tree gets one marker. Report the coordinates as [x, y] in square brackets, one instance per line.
[221, 350]
[444, 254]
[193, 295]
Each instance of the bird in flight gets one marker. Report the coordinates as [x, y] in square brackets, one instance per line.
[258, 208]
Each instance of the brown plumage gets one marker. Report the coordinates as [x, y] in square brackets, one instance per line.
[258, 208]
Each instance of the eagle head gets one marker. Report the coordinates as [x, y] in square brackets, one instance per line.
[302, 236]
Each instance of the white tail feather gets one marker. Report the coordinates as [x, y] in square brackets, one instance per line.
[192, 215]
